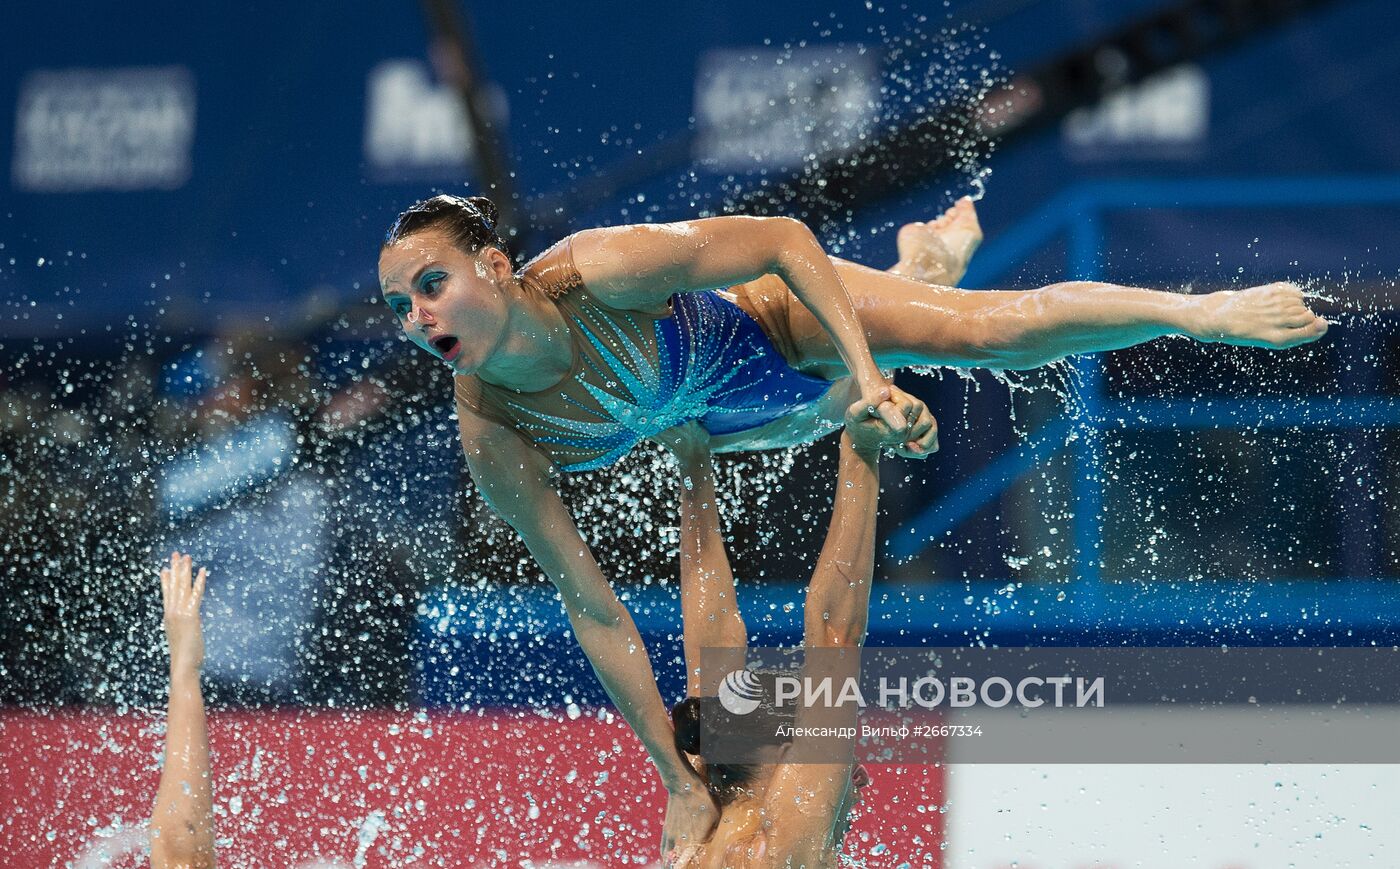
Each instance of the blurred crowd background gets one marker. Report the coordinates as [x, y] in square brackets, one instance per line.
[192, 355]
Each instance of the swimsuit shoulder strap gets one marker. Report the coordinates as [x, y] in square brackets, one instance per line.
[553, 272]
[589, 318]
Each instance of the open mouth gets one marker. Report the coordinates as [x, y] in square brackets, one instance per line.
[447, 347]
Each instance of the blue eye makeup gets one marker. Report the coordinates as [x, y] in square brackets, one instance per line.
[428, 285]
[432, 281]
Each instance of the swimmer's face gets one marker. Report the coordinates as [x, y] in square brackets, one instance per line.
[451, 303]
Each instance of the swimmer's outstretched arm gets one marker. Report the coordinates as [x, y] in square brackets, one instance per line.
[808, 802]
[182, 823]
[838, 599]
[513, 477]
[709, 609]
[643, 266]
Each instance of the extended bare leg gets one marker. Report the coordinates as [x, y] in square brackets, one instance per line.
[910, 322]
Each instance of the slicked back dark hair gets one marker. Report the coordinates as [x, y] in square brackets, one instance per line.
[726, 781]
[470, 221]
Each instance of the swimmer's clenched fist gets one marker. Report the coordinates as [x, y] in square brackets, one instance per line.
[919, 437]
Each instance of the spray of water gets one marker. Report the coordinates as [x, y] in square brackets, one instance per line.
[350, 504]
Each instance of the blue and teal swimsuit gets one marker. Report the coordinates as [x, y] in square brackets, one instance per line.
[636, 374]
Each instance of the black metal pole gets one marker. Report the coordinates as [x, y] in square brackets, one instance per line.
[1029, 102]
[454, 55]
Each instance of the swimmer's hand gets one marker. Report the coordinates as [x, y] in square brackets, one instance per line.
[691, 816]
[183, 630]
[879, 398]
[916, 437]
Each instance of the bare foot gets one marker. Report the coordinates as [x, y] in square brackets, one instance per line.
[1271, 315]
[938, 252]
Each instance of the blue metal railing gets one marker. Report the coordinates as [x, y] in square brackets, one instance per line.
[1079, 212]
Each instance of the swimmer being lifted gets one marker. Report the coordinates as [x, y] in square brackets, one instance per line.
[744, 324]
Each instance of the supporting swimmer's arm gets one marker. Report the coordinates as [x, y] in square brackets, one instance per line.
[807, 801]
[838, 599]
[643, 266]
[709, 609]
[514, 480]
[182, 822]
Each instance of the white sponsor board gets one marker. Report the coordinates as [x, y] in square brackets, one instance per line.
[412, 123]
[776, 108]
[1165, 816]
[104, 129]
[1167, 111]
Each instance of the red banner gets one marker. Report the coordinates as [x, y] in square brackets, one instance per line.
[305, 790]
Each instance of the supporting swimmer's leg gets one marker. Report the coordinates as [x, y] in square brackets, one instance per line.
[912, 323]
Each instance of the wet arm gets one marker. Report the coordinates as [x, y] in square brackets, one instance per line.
[806, 798]
[514, 479]
[182, 821]
[642, 266]
[838, 600]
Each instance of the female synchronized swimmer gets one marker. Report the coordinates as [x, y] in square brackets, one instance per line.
[780, 813]
[615, 335]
